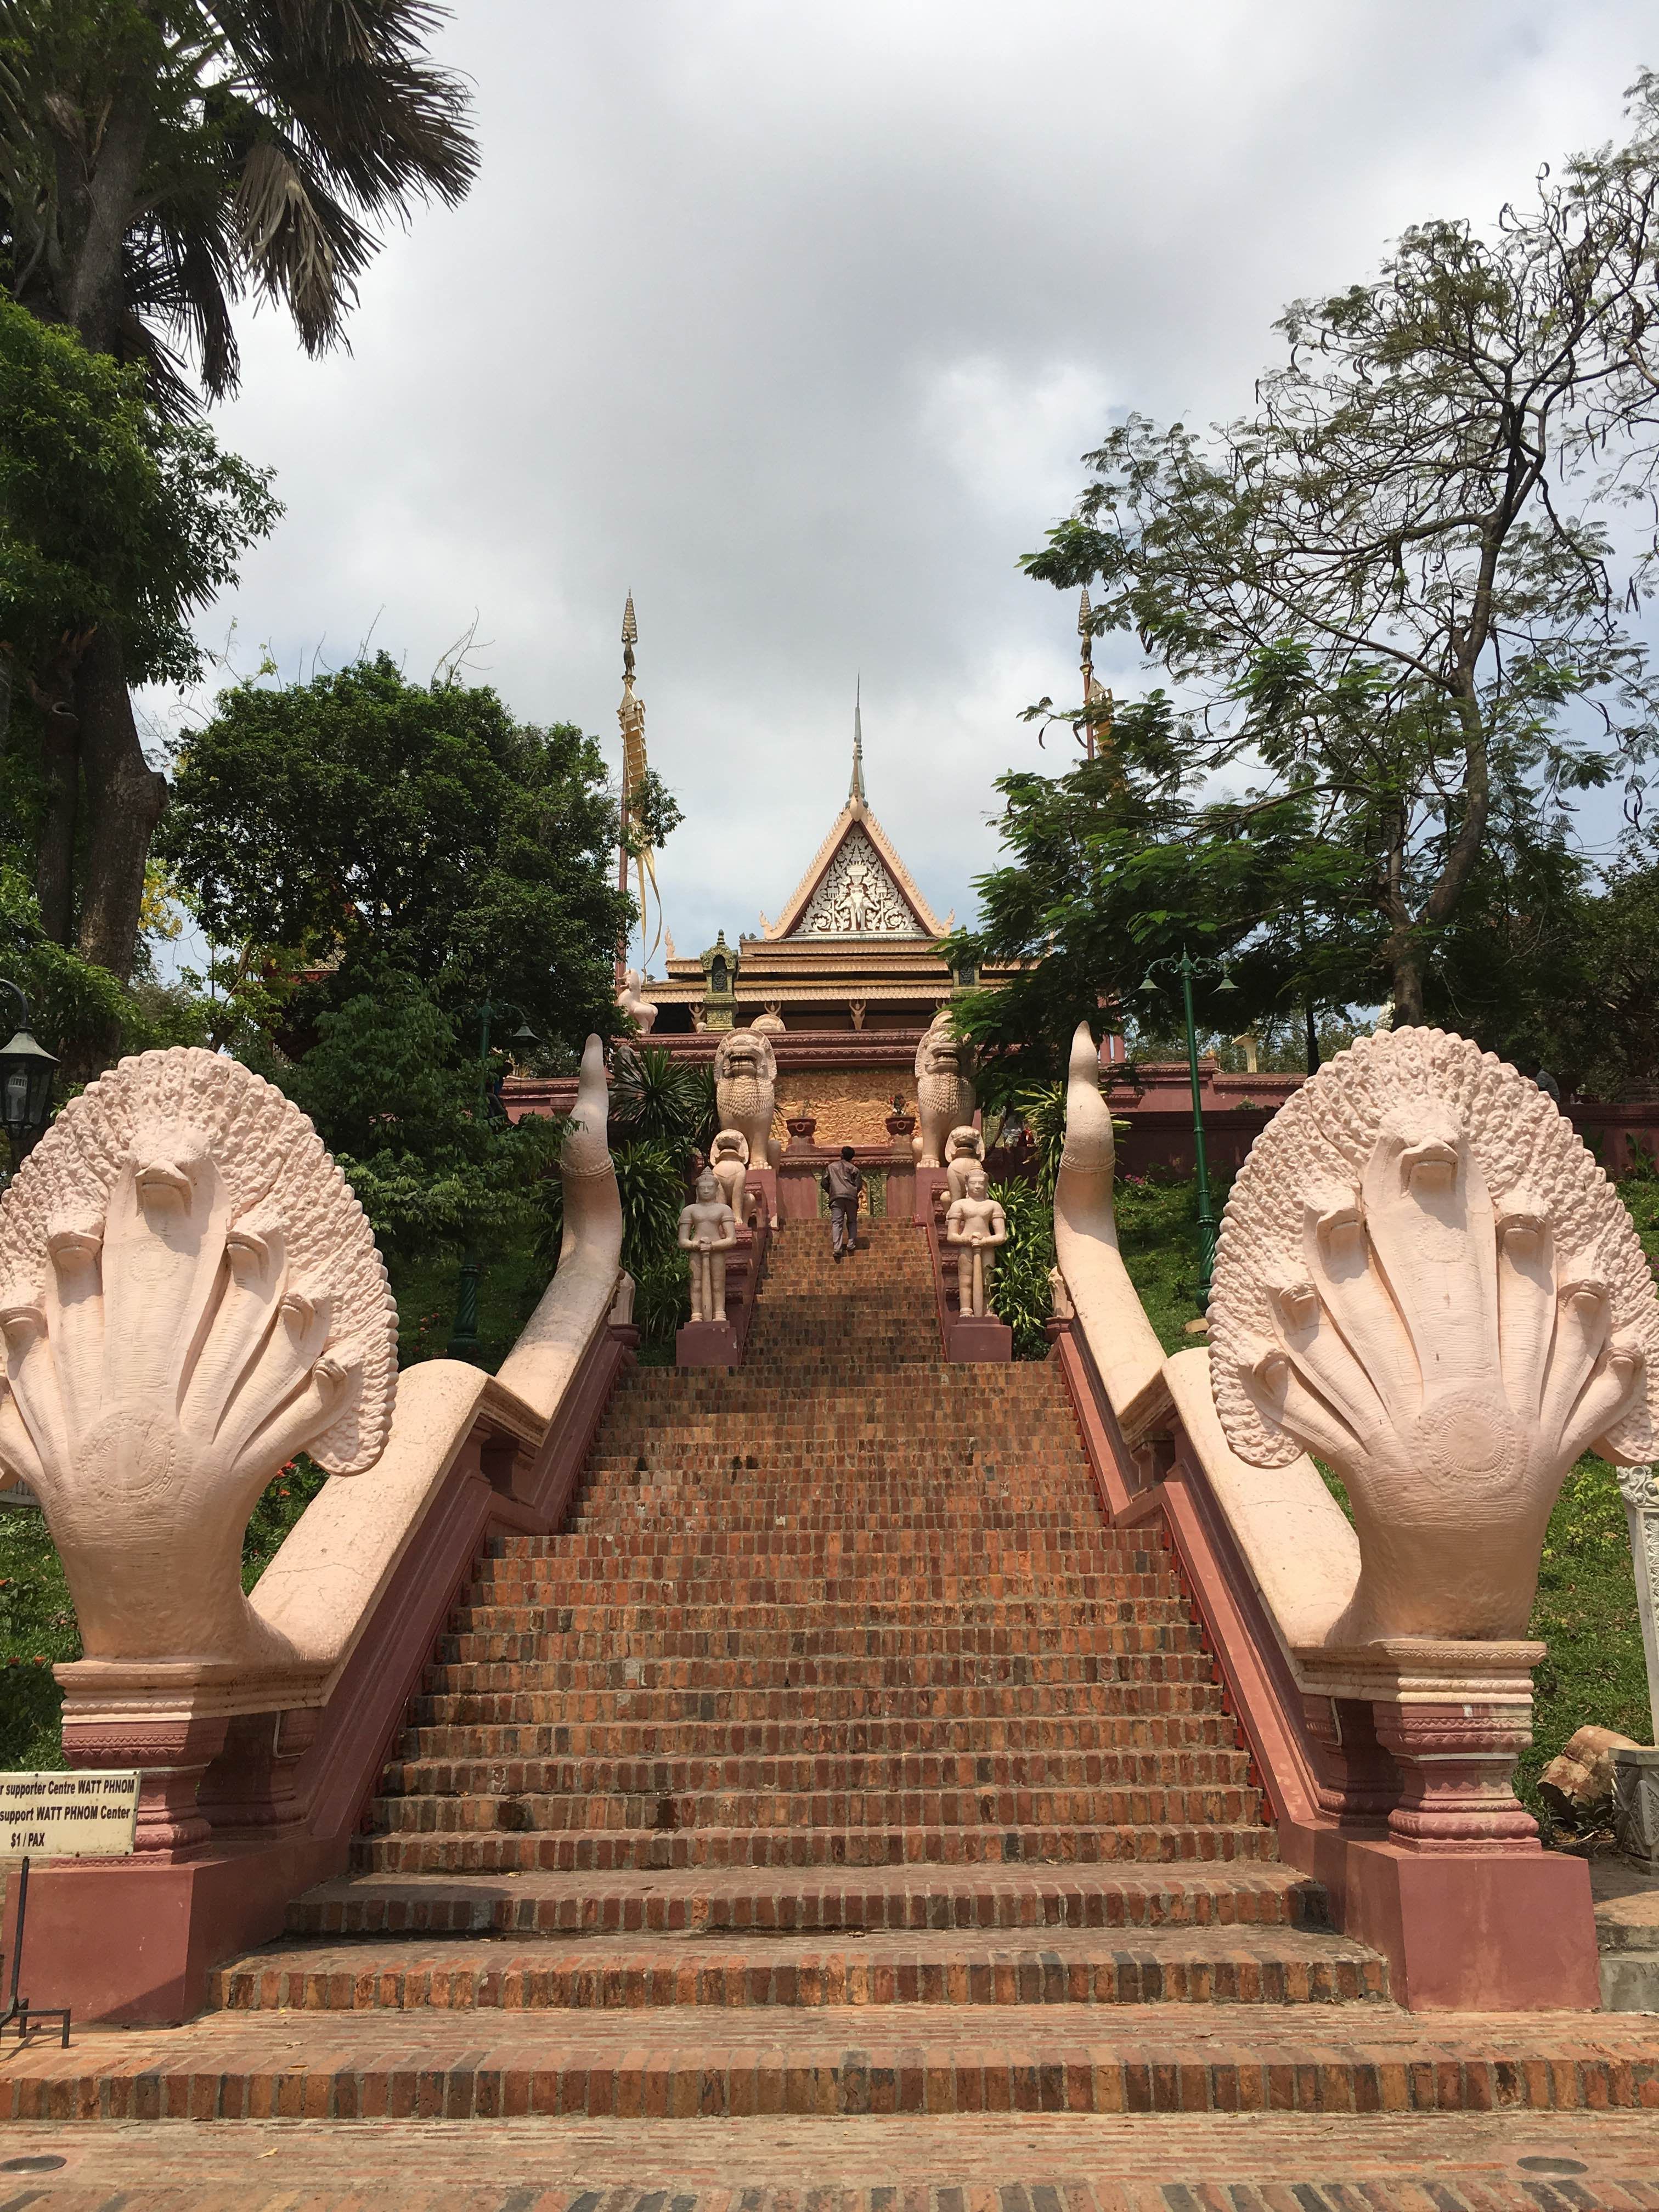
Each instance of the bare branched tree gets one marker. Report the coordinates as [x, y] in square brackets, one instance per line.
[1410, 577]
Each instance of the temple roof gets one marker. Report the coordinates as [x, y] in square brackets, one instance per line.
[857, 886]
[855, 928]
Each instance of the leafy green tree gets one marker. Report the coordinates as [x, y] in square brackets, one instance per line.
[399, 1103]
[389, 827]
[1411, 579]
[113, 521]
[1111, 865]
[1592, 1024]
[160, 160]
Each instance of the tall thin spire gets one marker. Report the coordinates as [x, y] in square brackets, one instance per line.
[1092, 690]
[857, 791]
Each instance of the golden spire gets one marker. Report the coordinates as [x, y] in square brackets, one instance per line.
[631, 715]
[855, 796]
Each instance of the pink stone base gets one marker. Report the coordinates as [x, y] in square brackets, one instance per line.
[707, 1344]
[1502, 1932]
[762, 1183]
[131, 1942]
[928, 1180]
[971, 1338]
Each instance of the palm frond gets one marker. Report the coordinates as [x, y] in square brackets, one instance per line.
[298, 244]
[384, 125]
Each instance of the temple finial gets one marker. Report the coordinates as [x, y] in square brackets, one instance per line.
[630, 636]
[856, 793]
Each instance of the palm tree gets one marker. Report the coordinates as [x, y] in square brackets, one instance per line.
[160, 160]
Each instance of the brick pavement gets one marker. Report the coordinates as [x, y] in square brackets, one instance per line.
[1605, 2164]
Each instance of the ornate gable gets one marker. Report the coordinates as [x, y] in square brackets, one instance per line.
[857, 886]
[856, 895]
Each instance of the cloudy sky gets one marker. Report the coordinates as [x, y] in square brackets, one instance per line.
[796, 321]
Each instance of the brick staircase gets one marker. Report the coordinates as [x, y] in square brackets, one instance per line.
[837, 1760]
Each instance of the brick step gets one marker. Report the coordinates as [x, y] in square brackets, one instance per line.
[1125, 1735]
[600, 1850]
[1017, 1474]
[1283, 1966]
[634, 1698]
[633, 1526]
[820, 1628]
[1026, 1618]
[1019, 1465]
[544, 1812]
[511, 1604]
[670, 1553]
[844, 2060]
[1241, 1894]
[678, 1774]
[537, 1587]
[795, 1393]
[774, 1373]
[694, 1667]
[1005, 1527]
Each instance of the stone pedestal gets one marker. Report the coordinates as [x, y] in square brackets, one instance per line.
[1453, 1718]
[251, 1785]
[178, 1723]
[1455, 1891]
[1483, 1931]
[707, 1344]
[977, 1337]
[1635, 1806]
[900, 1128]
[1640, 1492]
[173, 1753]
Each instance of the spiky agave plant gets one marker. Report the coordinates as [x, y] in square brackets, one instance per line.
[657, 1099]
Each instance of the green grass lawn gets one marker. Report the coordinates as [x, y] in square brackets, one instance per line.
[1585, 1612]
[1157, 1235]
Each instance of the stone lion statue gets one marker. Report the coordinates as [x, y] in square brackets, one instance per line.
[746, 1080]
[945, 1089]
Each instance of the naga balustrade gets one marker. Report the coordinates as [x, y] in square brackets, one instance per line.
[1380, 1676]
[261, 1726]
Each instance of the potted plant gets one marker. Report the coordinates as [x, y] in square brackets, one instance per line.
[899, 1124]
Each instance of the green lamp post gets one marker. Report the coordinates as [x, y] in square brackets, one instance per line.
[1185, 967]
[464, 1334]
[26, 1070]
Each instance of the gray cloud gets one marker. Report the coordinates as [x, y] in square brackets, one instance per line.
[796, 321]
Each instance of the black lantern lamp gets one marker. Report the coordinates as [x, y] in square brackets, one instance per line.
[26, 1070]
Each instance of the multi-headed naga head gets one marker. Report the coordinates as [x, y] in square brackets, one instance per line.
[189, 1295]
[1424, 1280]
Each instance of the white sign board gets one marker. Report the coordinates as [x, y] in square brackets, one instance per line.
[70, 1816]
